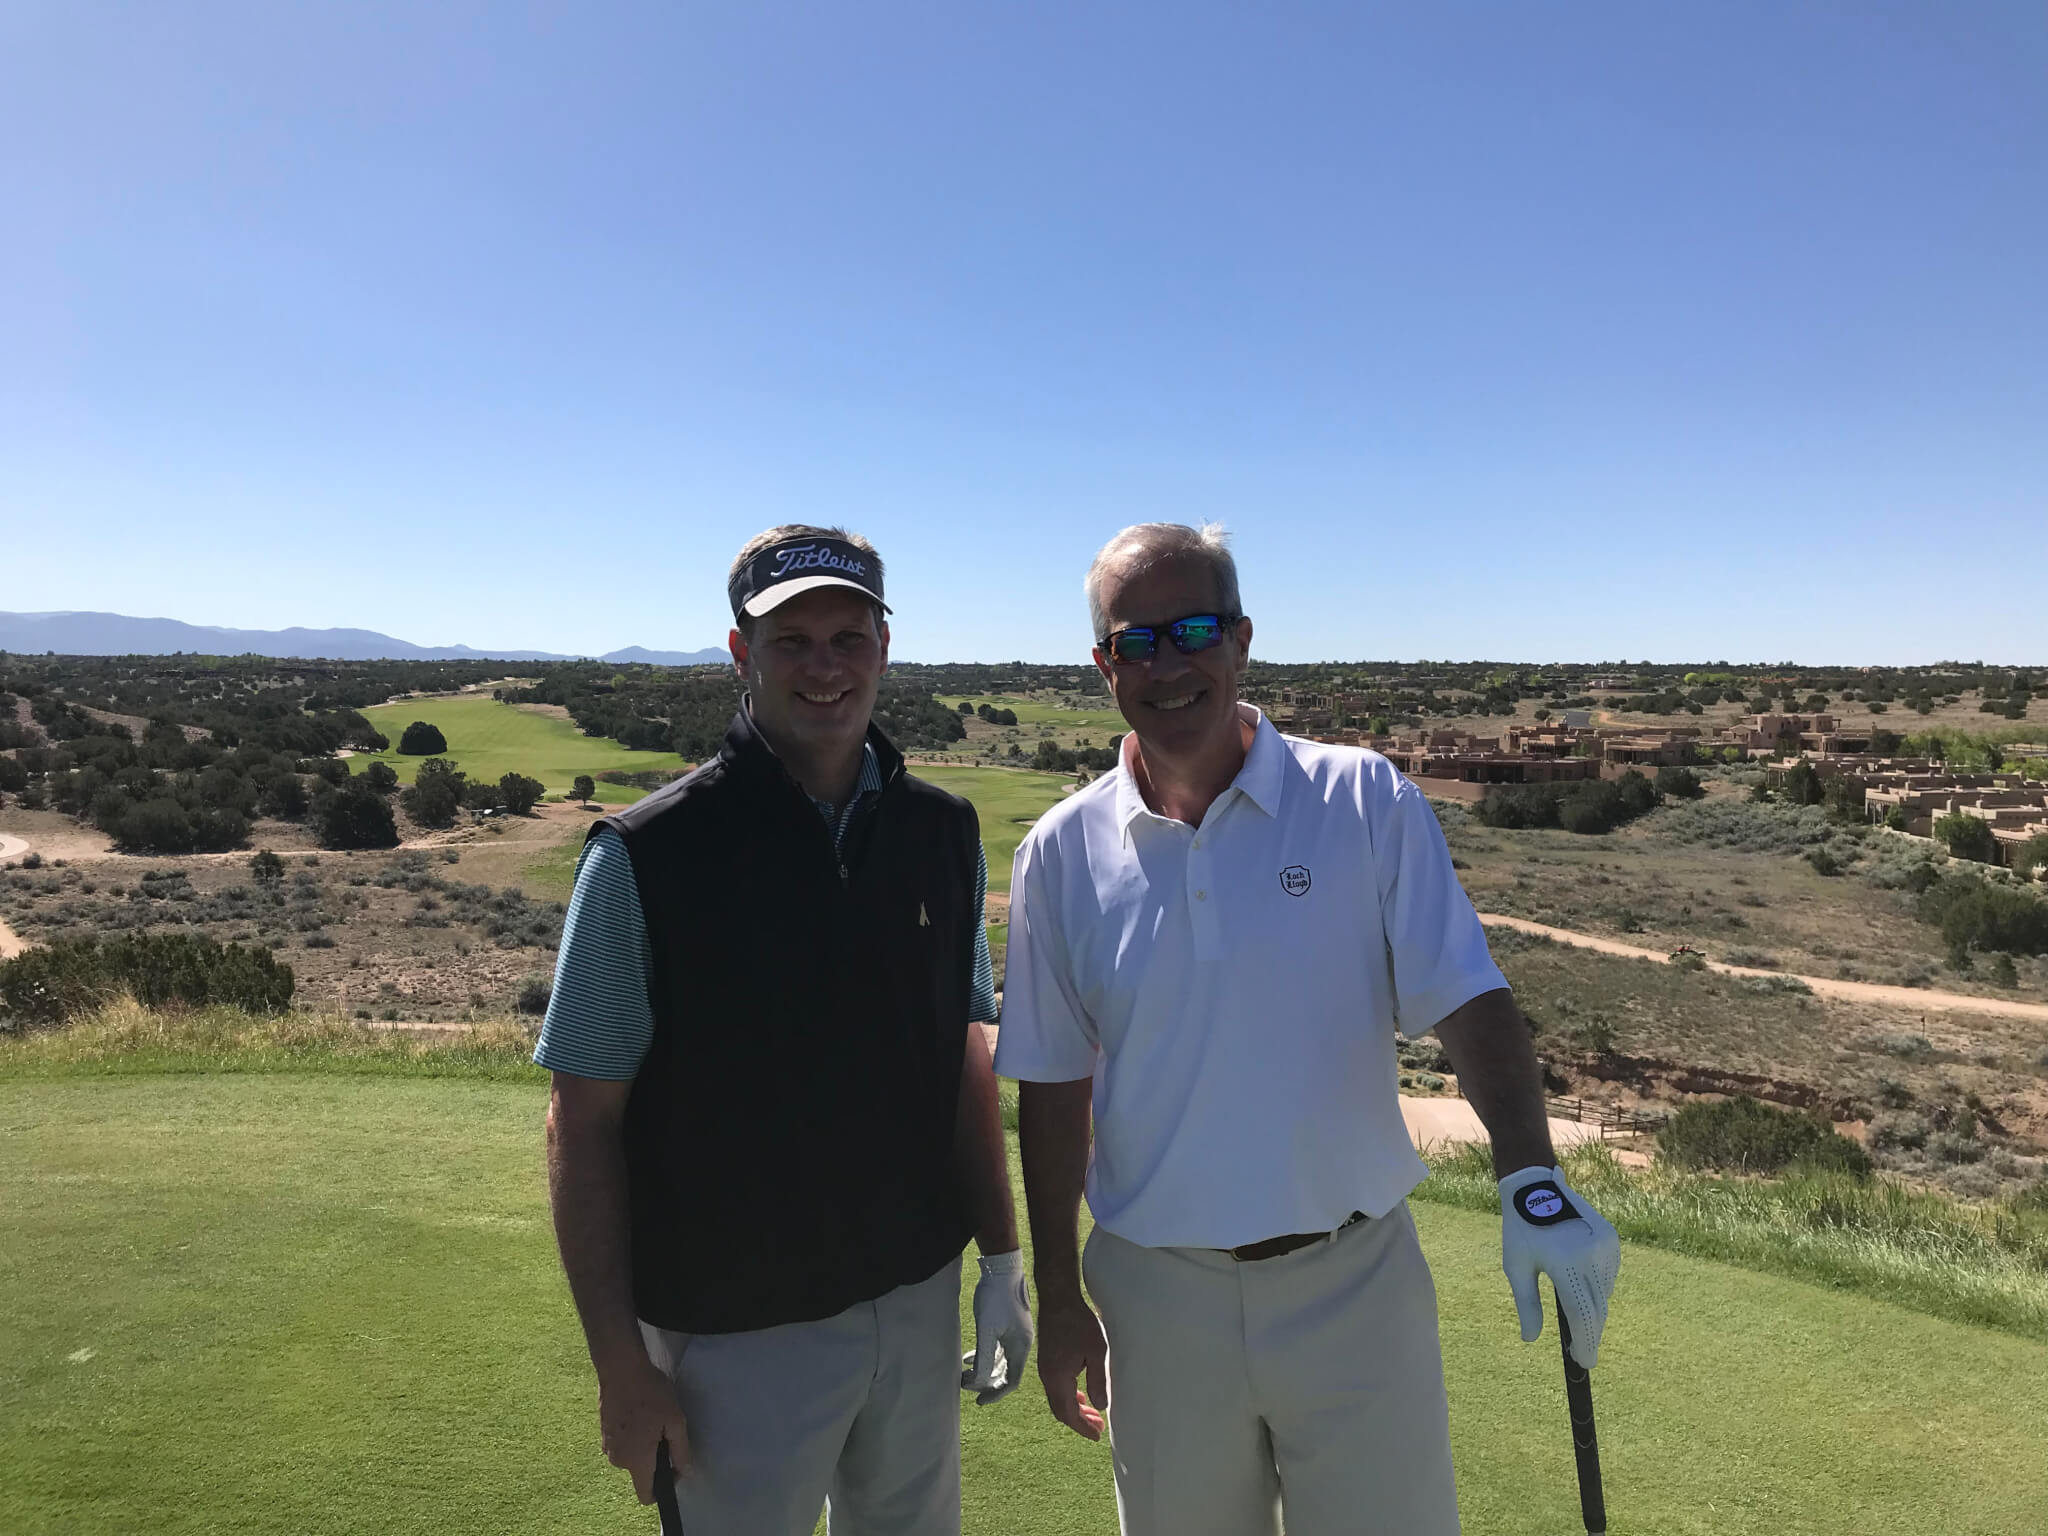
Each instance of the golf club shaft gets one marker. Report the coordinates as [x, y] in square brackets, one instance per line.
[1578, 1394]
[665, 1491]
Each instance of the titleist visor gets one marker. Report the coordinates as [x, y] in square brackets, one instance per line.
[782, 571]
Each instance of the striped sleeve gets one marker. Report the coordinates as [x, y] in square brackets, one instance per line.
[981, 1004]
[600, 1020]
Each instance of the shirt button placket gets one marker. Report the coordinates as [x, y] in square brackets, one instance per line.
[1199, 905]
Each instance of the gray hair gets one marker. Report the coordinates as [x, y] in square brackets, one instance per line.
[1144, 545]
[761, 541]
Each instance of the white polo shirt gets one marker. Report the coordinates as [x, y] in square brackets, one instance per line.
[1234, 989]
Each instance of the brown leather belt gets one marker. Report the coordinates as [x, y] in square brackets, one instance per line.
[1274, 1247]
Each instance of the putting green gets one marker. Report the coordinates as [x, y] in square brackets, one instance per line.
[330, 1304]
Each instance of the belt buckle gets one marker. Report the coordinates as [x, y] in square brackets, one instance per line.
[1291, 1242]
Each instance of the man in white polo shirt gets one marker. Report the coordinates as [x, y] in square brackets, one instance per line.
[1210, 950]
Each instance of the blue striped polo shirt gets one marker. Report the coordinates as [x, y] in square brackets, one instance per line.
[600, 1018]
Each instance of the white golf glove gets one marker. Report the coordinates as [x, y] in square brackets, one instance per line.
[1546, 1228]
[1002, 1330]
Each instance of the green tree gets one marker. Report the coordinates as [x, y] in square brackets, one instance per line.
[1844, 796]
[1966, 836]
[266, 867]
[584, 788]
[2030, 856]
[1638, 794]
[381, 777]
[284, 798]
[520, 793]
[422, 739]
[1802, 786]
[436, 793]
[355, 817]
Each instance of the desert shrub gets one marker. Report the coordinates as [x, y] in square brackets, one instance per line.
[318, 940]
[266, 866]
[1746, 826]
[49, 984]
[1899, 1132]
[1974, 914]
[422, 739]
[1906, 1047]
[1679, 783]
[1746, 1135]
[1771, 986]
[32, 860]
[1823, 862]
[1592, 806]
[534, 993]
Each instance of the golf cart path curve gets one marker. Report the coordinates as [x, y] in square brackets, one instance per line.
[11, 943]
[1918, 998]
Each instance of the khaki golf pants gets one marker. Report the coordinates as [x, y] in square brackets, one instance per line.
[859, 1413]
[1304, 1392]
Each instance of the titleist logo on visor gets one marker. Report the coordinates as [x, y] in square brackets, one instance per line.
[805, 560]
[811, 557]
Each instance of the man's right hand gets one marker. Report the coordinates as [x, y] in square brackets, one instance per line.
[1071, 1345]
[637, 1409]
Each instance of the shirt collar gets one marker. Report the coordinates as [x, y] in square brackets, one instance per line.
[1259, 780]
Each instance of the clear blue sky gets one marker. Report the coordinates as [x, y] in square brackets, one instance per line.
[1585, 330]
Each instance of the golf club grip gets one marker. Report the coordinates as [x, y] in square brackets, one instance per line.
[665, 1491]
[1578, 1394]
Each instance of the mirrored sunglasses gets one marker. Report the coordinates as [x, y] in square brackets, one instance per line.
[1140, 642]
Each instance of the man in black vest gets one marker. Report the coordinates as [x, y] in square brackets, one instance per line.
[773, 1124]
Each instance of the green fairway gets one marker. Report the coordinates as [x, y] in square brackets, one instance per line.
[1101, 717]
[322, 1303]
[1007, 800]
[488, 739]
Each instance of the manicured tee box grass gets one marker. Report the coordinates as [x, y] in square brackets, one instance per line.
[318, 1303]
[1007, 800]
[488, 739]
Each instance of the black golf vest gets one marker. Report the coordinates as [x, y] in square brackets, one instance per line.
[789, 1137]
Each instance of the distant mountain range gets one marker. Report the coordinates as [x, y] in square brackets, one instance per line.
[115, 634]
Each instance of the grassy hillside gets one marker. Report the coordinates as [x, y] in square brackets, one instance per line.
[488, 739]
[324, 1303]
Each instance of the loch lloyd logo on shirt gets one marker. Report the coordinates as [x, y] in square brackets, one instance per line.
[1294, 879]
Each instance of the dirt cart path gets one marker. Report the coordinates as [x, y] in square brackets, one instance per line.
[1917, 998]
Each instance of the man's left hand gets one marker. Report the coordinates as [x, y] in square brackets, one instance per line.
[1547, 1228]
[1002, 1330]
